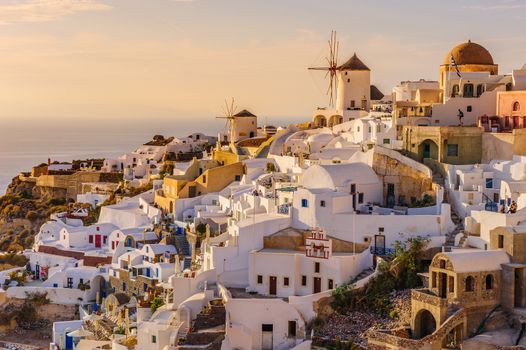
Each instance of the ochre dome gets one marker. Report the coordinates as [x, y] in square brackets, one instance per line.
[469, 53]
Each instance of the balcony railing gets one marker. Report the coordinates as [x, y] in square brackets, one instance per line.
[381, 250]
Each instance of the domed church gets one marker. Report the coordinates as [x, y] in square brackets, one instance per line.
[468, 57]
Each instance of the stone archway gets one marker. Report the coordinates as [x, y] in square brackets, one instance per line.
[320, 121]
[428, 149]
[335, 120]
[98, 285]
[424, 324]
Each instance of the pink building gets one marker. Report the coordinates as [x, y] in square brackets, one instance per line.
[511, 113]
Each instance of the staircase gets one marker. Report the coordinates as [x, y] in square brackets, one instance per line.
[182, 245]
[363, 274]
[213, 315]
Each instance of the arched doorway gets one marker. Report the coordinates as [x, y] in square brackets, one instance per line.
[335, 120]
[320, 121]
[425, 324]
[428, 149]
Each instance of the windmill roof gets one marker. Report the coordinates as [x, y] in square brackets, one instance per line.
[376, 94]
[354, 63]
[244, 113]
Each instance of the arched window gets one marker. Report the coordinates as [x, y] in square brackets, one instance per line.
[516, 106]
[468, 90]
[480, 89]
[455, 91]
[489, 282]
[470, 284]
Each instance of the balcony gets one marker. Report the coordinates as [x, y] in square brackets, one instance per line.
[428, 297]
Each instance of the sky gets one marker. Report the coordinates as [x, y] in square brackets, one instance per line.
[123, 61]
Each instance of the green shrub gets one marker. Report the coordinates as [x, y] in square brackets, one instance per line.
[343, 297]
[156, 303]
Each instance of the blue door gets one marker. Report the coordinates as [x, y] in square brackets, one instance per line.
[69, 342]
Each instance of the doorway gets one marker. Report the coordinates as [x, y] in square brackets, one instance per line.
[273, 284]
[266, 336]
[379, 244]
[317, 285]
[443, 285]
[98, 241]
[37, 271]
[191, 191]
[518, 288]
[427, 150]
[390, 195]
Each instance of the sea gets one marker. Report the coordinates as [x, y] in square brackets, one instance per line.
[26, 142]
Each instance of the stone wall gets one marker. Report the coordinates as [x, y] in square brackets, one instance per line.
[514, 243]
[133, 285]
[409, 180]
[382, 339]
[72, 184]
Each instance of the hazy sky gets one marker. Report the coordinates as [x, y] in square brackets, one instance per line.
[125, 59]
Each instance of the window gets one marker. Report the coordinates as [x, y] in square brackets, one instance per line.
[204, 179]
[360, 198]
[124, 286]
[434, 280]
[516, 106]
[154, 339]
[442, 264]
[469, 108]
[353, 188]
[260, 279]
[90, 238]
[451, 284]
[292, 329]
[144, 287]
[387, 141]
[304, 280]
[468, 90]
[489, 183]
[452, 150]
[322, 204]
[70, 282]
[330, 284]
[348, 80]
[104, 239]
[480, 89]
[317, 267]
[489, 282]
[304, 203]
[455, 91]
[352, 106]
[81, 281]
[267, 328]
[358, 128]
[285, 281]
[237, 178]
[470, 284]
[501, 241]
